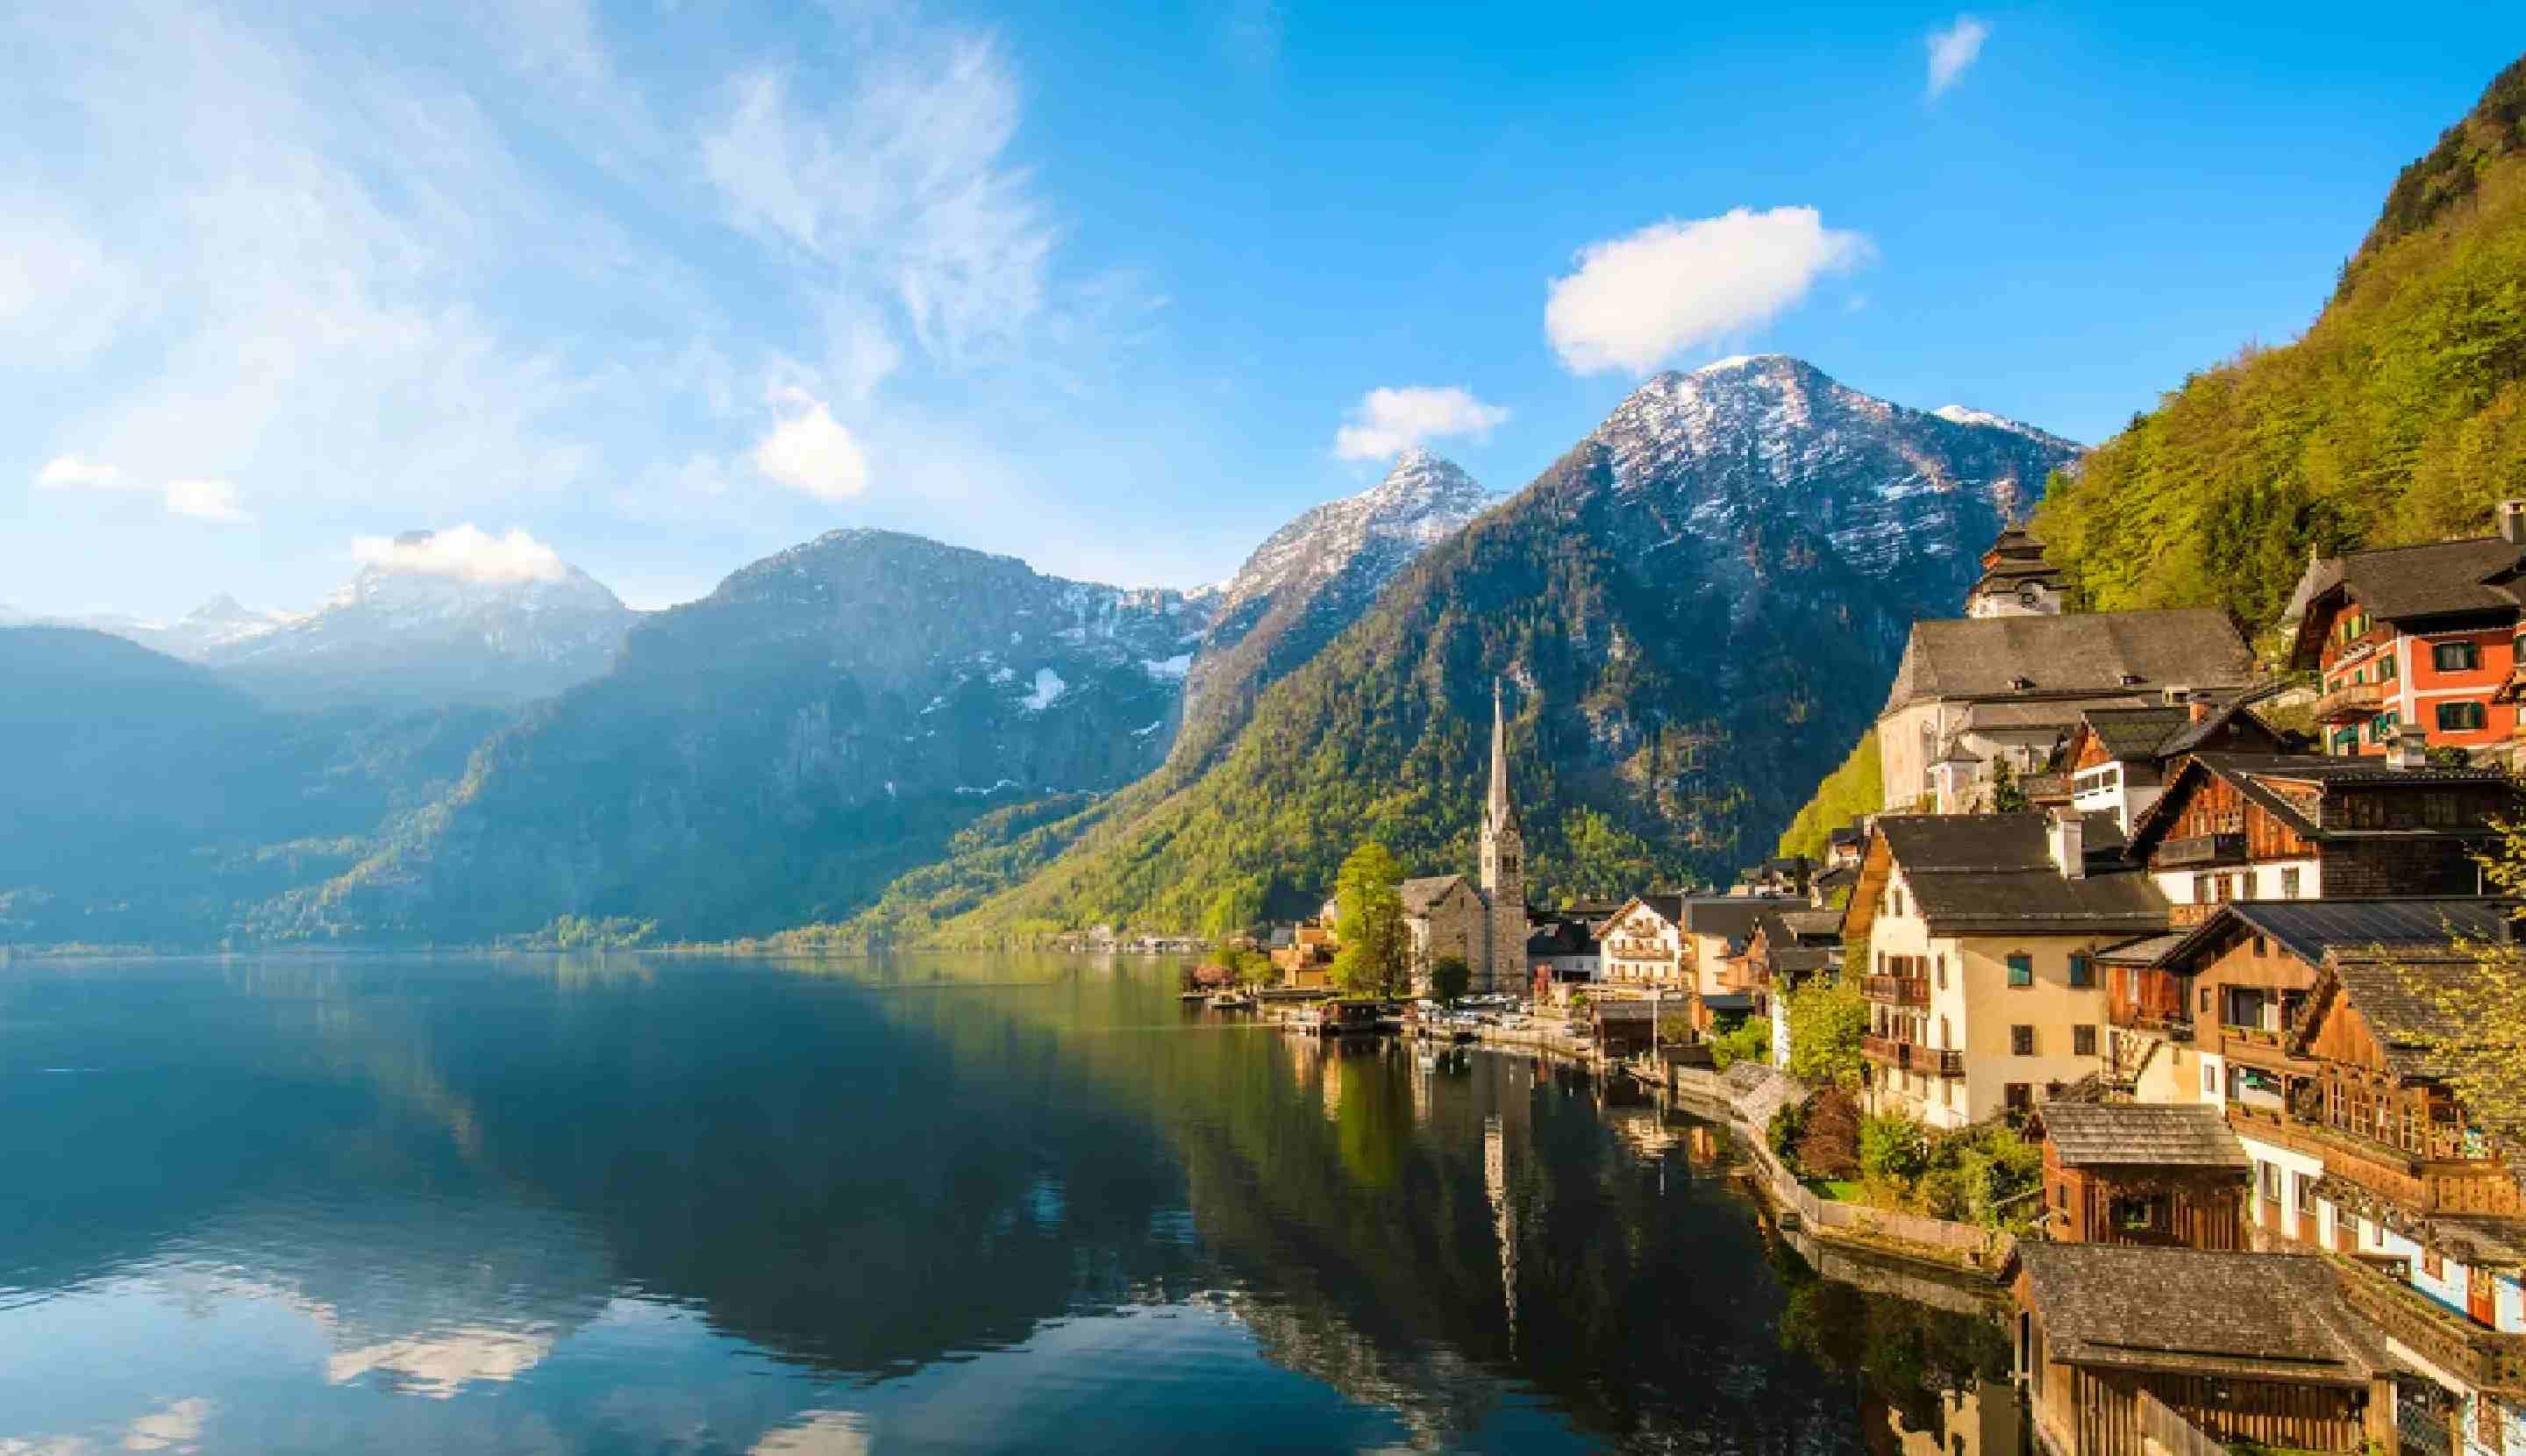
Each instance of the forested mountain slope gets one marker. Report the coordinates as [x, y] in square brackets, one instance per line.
[2398, 417]
[1696, 610]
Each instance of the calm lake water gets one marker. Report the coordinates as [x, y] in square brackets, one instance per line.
[938, 1204]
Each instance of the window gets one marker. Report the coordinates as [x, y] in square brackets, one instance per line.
[2201, 889]
[1943, 973]
[2302, 1187]
[2018, 1097]
[2021, 970]
[2289, 884]
[2382, 727]
[2021, 1041]
[2083, 974]
[1946, 1041]
[2206, 998]
[2082, 1042]
[2455, 657]
[2387, 669]
[2227, 888]
[2433, 1264]
[2210, 1076]
[2267, 1181]
[2459, 718]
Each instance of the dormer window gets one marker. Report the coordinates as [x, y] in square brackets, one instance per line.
[2131, 679]
[2021, 684]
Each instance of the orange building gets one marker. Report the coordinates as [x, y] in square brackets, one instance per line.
[2415, 640]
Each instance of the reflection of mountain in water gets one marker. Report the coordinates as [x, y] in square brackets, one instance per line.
[874, 1172]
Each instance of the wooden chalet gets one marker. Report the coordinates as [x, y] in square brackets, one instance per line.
[2117, 759]
[2113, 1340]
[2262, 827]
[2143, 1174]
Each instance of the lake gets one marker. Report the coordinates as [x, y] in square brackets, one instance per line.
[633, 1204]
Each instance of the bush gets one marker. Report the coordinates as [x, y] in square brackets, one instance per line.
[1787, 1126]
[1894, 1147]
[1751, 1040]
[1827, 1146]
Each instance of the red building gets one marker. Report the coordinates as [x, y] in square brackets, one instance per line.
[2415, 640]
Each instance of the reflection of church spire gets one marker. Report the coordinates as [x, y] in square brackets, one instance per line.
[1503, 1216]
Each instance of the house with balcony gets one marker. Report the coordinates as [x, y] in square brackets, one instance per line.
[1982, 932]
[1972, 695]
[1641, 945]
[2414, 640]
[2303, 826]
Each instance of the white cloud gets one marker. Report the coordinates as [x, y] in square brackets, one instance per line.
[71, 472]
[1636, 301]
[193, 497]
[178, 1427]
[809, 450]
[1389, 420]
[1953, 50]
[817, 1433]
[466, 552]
[205, 500]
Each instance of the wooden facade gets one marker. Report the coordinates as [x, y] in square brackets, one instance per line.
[2168, 1206]
[2097, 1412]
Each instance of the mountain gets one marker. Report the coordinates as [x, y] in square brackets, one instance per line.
[1311, 578]
[827, 719]
[218, 625]
[422, 625]
[2398, 417]
[1697, 610]
[146, 801]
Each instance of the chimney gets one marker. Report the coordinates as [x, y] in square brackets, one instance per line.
[2407, 751]
[2177, 695]
[2066, 836]
[2199, 709]
[2512, 522]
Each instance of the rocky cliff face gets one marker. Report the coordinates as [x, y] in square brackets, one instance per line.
[411, 630]
[1311, 578]
[1698, 609]
[773, 753]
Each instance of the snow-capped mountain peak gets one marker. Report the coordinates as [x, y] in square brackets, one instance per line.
[1956, 414]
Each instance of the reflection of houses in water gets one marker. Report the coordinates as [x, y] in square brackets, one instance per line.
[1503, 1217]
[1437, 1392]
[1982, 1420]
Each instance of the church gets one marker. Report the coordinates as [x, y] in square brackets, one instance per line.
[1483, 922]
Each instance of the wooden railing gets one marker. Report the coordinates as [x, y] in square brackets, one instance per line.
[2200, 849]
[2165, 1431]
[2350, 702]
[2486, 1359]
[2174, 1026]
[1910, 1056]
[1897, 991]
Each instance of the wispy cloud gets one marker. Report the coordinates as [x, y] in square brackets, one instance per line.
[1389, 420]
[1953, 50]
[189, 496]
[1636, 301]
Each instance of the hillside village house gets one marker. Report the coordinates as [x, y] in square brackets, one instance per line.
[1982, 932]
[1643, 945]
[2117, 759]
[2297, 1022]
[2414, 640]
[2016, 580]
[2135, 1173]
[1972, 695]
[2245, 826]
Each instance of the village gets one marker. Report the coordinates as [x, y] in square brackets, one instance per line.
[2153, 993]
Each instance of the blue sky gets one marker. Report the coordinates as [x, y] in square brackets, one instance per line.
[667, 286]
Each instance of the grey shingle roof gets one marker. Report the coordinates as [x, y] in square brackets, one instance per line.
[1420, 894]
[1812, 924]
[2391, 991]
[2256, 776]
[1997, 869]
[2310, 929]
[2439, 580]
[2089, 653]
[2129, 734]
[2273, 1316]
[2088, 1134]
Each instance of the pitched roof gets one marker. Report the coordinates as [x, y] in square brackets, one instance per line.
[2392, 989]
[1812, 924]
[2084, 653]
[2440, 579]
[2260, 776]
[2310, 930]
[1763, 1090]
[2089, 1134]
[2132, 735]
[1733, 916]
[1420, 894]
[2267, 1316]
[1561, 937]
[1997, 871]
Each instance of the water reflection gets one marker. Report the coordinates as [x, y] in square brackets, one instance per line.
[941, 1203]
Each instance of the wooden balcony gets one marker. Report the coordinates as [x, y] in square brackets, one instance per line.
[1906, 1056]
[2352, 702]
[1896, 990]
[2424, 1186]
[2486, 1359]
[2174, 1026]
[2201, 850]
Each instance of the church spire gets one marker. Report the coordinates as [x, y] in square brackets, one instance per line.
[1500, 815]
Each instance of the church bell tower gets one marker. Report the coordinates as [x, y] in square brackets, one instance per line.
[1503, 872]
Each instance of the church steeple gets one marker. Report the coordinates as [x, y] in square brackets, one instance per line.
[1500, 814]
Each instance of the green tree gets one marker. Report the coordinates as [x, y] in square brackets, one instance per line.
[1855, 788]
[1450, 978]
[1827, 1018]
[2007, 796]
[2475, 1024]
[1374, 958]
[1751, 1040]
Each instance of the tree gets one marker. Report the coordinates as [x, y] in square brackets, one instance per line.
[1376, 949]
[1827, 1018]
[2476, 1026]
[1451, 977]
[2007, 796]
[1751, 1040]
